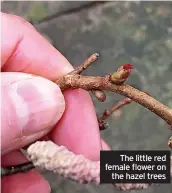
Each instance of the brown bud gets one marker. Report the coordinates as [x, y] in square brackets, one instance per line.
[100, 95]
[103, 125]
[107, 112]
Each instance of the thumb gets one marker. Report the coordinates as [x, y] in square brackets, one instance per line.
[30, 107]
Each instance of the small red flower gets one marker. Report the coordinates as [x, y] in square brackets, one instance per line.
[122, 73]
[127, 66]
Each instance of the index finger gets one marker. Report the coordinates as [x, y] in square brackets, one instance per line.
[25, 50]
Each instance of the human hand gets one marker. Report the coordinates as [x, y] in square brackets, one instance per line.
[32, 106]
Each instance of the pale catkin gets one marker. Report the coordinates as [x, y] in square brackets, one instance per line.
[58, 159]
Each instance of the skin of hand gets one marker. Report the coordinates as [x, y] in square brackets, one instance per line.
[33, 107]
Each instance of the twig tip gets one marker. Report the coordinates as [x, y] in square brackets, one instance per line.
[97, 55]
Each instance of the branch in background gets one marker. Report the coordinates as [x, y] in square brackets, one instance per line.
[72, 10]
[108, 112]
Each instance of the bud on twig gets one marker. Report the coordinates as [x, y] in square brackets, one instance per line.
[100, 95]
[121, 75]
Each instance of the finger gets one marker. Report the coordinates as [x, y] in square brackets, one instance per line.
[29, 182]
[31, 106]
[105, 146]
[78, 129]
[25, 50]
[31, 53]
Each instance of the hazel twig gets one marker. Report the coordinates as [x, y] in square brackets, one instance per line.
[108, 112]
[120, 104]
[24, 167]
[100, 95]
[104, 83]
[85, 64]
[114, 82]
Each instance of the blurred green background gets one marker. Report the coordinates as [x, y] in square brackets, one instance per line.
[122, 32]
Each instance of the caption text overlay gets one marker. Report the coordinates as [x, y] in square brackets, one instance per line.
[135, 167]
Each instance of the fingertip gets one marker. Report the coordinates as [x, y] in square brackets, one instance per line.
[105, 146]
[31, 107]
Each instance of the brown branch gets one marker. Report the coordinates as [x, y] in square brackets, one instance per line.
[108, 112]
[104, 83]
[85, 64]
[120, 104]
